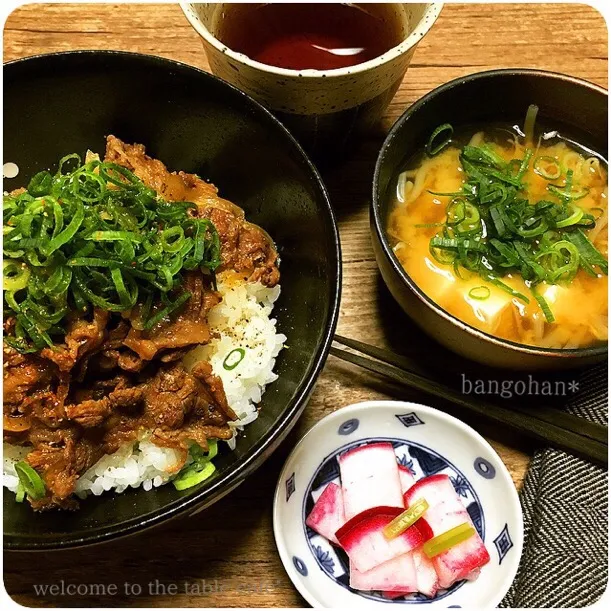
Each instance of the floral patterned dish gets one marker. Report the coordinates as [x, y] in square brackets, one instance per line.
[427, 442]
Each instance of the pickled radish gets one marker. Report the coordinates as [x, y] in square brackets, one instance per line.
[426, 575]
[363, 540]
[401, 535]
[445, 507]
[394, 595]
[445, 512]
[396, 575]
[406, 478]
[427, 581]
[327, 515]
[370, 468]
[437, 490]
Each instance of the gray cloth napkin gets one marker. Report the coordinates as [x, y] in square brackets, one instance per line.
[564, 499]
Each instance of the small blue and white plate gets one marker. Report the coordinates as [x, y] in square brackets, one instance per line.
[426, 441]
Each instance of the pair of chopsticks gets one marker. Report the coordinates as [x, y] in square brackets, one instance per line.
[545, 424]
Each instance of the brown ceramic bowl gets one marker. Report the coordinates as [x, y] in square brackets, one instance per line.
[575, 106]
[326, 110]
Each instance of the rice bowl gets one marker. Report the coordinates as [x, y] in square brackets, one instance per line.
[165, 104]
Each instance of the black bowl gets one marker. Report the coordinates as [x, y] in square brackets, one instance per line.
[68, 102]
[570, 105]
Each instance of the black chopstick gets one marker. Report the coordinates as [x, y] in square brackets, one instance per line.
[546, 414]
[540, 430]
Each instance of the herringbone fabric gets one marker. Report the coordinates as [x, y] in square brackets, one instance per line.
[564, 499]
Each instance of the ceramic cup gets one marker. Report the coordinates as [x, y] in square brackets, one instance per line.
[324, 109]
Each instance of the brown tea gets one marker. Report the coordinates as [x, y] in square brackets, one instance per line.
[318, 36]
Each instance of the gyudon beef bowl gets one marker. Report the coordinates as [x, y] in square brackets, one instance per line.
[162, 237]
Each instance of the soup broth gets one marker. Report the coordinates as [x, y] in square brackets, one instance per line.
[471, 256]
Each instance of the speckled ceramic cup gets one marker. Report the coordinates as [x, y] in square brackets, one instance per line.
[324, 108]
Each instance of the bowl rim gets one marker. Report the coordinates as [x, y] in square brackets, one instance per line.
[431, 10]
[202, 498]
[378, 222]
[354, 409]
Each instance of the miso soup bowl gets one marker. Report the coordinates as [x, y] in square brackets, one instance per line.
[571, 105]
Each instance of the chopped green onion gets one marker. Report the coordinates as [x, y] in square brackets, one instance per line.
[492, 229]
[191, 478]
[455, 212]
[455, 243]
[528, 260]
[433, 147]
[547, 312]
[65, 161]
[508, 289]
[573, 219]
[441, 194]
[234, 358]
[20, 493]
[15, 275]
[68, 233]
[497, 215]
[201, 456]
[93, 234]
[445, 257]
[508, 252]
[213, 448]
[41, 184]
[428, 225]
[30, 480]
[524, 164]
[542, 165]
[480, 293]
[497, 160]
[117, 236]
[483, 156]
[564, 262]
[159, 316]
[588, 253]
[567, 194]
[172, 239]
[200, 469]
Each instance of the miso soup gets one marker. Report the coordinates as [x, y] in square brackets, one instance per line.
[506, 229]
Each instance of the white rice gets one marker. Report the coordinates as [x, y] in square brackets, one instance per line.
[242, 320]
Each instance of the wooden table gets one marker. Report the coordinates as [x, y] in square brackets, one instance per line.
[226, 557]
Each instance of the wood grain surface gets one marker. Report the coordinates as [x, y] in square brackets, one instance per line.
[226, 557]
